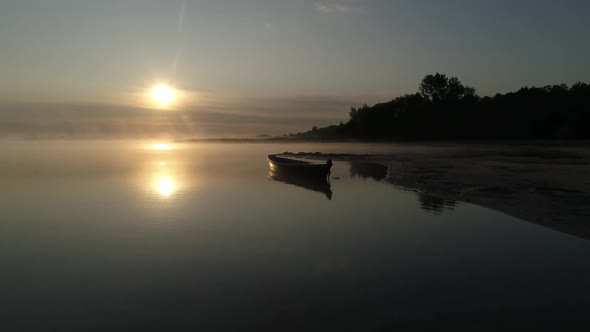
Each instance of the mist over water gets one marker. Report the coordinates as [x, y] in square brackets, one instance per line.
[153, 235]
[245, 117]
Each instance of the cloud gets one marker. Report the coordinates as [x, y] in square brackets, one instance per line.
[333, 8]
[221, 117]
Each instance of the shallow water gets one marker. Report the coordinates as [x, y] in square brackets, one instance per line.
[120, 236]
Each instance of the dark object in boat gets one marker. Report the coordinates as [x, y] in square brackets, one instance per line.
[299, 167]
[314, 184]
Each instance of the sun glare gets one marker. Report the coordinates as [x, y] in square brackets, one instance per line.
[163, 94]
[162, 147]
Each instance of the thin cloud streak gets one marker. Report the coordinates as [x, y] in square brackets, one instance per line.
[333, 8]
[214, 117]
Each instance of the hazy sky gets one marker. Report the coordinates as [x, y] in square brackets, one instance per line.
[300, 62]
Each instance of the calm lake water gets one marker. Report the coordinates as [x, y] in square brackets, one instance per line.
[107, 236]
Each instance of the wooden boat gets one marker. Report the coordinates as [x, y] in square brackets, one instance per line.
[299, 167]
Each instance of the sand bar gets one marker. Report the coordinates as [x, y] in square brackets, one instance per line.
[547, 184]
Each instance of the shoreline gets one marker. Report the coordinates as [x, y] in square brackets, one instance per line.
[480, 142]
[548, 186]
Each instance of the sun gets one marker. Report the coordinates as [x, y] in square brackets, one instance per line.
[162, 147]
[163, 94]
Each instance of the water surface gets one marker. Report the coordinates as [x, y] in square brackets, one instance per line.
[121, 236]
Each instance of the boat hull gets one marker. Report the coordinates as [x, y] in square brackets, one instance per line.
[298, 168]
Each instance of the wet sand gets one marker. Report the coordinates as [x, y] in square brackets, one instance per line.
[546, 184]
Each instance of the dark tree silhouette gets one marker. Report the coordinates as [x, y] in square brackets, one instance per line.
[434, 87]
[446, 109]
[439, 88]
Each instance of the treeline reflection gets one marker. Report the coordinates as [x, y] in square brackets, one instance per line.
[363, 170]
[368, 170]
[435, 204]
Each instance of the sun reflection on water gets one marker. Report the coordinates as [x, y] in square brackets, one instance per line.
[165, 186]
[163, 177]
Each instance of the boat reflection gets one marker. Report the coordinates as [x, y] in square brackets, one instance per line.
[314, 183]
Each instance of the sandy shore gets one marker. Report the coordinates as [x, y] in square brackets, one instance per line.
[547, 185]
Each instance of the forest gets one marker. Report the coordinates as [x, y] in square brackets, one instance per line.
[446, 109]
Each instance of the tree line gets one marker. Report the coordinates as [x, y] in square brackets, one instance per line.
[444, 108]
